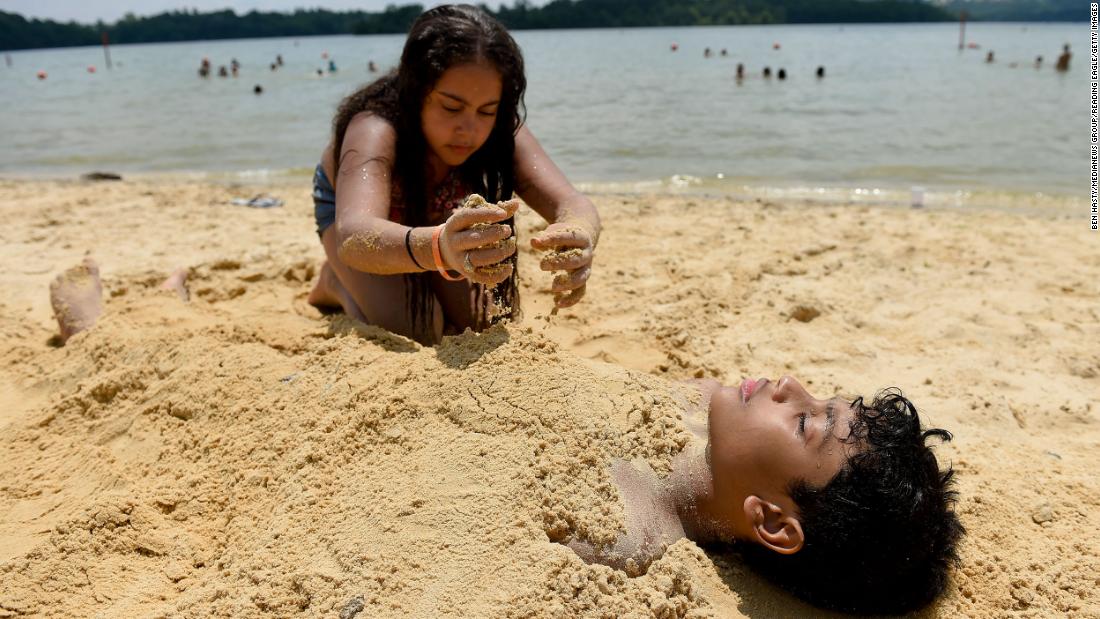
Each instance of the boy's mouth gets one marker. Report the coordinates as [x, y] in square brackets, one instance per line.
[749, 387]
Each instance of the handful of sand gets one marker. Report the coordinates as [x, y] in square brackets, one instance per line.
[496, 307]
[476, 201]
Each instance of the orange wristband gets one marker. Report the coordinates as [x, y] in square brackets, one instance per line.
[438, 257]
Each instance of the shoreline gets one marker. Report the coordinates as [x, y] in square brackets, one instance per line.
[1037, 202]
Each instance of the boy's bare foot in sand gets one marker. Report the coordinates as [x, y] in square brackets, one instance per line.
[76, 298]
[177, 282]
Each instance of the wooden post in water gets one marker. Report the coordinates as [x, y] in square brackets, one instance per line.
[106, 49]
[962, 29]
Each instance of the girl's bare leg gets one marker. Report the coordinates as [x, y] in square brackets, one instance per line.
[457, 299]
[373, 299]
[76, 296]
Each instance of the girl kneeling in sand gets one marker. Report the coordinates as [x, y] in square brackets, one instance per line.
[406, 149]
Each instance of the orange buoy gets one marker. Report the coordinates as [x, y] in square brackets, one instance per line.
[41, 75]
[91, 68]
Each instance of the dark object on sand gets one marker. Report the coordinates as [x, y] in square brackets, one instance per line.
[258, 201]
[353, 607]
[101, 176]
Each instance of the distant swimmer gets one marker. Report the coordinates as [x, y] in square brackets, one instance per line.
[41, 75]
[279, 59]
[782, 74]
[724, 52]
[257, 89]
[767, 72]
[674, 47]
[1038, 62]
[320, 73]
[274, 67]
[222, 71]
[204, 68]
[706, 53]
[373, 68]
[820, 73]
[740, 71]
[989, 57]
[1063, 60]
[332, 66]
[775, 45]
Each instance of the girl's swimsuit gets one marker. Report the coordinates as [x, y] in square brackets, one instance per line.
[448, 195]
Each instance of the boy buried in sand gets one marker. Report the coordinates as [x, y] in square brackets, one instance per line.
[843, 504]
[76, 296]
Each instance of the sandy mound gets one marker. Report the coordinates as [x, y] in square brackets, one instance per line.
[300, 470]
[242, 455]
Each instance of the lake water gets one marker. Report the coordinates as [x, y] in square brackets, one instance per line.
[899, 107]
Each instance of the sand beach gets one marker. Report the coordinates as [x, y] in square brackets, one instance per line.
[242, 455]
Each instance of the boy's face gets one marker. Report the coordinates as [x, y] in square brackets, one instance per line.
[459, 113]
[764, 435]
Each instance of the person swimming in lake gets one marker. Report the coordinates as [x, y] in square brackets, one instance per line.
[405, 151]
[1063, 61]
[806, 489]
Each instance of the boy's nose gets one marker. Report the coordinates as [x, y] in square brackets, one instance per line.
[787, 387]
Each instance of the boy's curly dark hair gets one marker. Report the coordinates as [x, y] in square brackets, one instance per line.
[443, 37]
[881, 536]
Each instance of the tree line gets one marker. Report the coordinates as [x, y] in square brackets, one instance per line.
[17, 32]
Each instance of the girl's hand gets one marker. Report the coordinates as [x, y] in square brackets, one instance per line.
[474, 244]
[572, 246]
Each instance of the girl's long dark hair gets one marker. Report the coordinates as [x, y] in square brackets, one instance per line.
[439, 39]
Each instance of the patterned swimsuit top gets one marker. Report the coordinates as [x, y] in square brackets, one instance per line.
[448, 195]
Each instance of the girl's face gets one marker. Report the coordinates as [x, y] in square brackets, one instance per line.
[460, 111]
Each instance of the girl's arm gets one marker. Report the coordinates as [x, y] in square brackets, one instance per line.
[369, 242]
[574, 222]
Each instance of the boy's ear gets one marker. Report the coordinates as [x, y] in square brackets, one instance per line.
[773, 527]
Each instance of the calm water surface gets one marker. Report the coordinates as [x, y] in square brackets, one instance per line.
[899, 107]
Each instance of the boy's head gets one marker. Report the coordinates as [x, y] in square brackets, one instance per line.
[843, 503]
